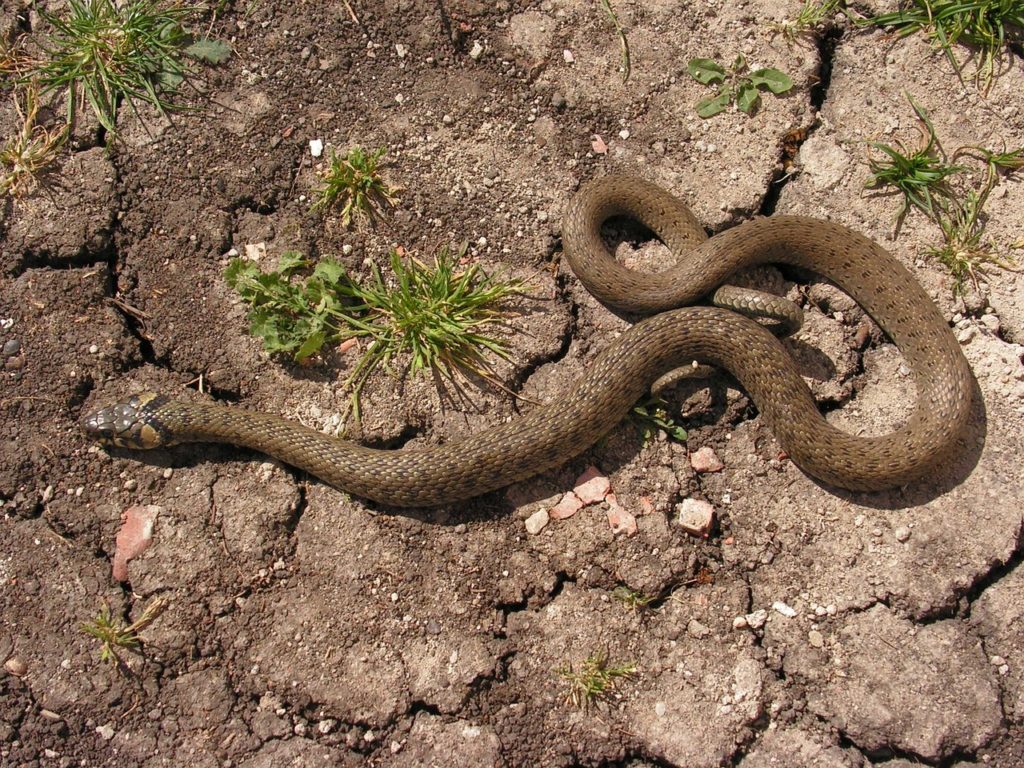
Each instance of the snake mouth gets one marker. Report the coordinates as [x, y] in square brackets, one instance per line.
[127, 424]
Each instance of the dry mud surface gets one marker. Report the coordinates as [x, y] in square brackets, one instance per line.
[306, 627]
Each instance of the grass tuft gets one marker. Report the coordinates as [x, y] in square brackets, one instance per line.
[14, 62]
[935, 187]
[353, 183]
[107, 52]
[811, 17]
[29, 152]
[594, 680]
[433, 318]
[114, 634]
[919, 175]
[986, 24]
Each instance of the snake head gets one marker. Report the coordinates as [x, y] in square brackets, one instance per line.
[128, 424]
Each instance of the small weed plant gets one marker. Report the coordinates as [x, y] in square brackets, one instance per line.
[936, 187]
[31, 150]
[624, 61]
[632, 598]
[920, 175]
[114, 634]
[652, 414]
[594, 680]
[811, 17]
[107, 52]
[14, 61]
[432, 318]
[352, 182]
[736, 85]
[989, 25]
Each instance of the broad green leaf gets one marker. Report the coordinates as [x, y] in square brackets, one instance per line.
[291, 261]
[313, 344]
[330, 272]
[238, 271]
[747, 98]
[712, 105]
[209, 50]
[772, 79]
[706, 71]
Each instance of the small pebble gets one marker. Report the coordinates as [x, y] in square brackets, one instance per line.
[619, 520]
[991, 323]
[477, 50]
[566, 507]
[11, 347]
[105, 731]
[316, 147]
[696, 629]
[536, 522]
[815, 638]
[902, 533]
[706, 460]
[16, 666]
[781, 608]
[757, 619]
[592, 486]
[696, 517]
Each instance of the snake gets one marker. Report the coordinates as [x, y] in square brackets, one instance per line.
[675, 332]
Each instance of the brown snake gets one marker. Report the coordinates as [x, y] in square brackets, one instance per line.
[552, 434]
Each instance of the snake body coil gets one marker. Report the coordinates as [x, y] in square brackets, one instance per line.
[550, 435]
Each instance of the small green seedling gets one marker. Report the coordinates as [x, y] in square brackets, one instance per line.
[595, 679]
[988, 25]
[108, 52]
[625, 65]
[920, 175]
[352, 182]
[736, 85]
[114, 633]
[652, 414]
[31, 150]
[432, 318]
[632, 598]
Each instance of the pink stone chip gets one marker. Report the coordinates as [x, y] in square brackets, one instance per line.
[696, 517]
[619, 519]
[567, 506]
[133, 538]
[592, 486]
[646, 506]
[706, 460]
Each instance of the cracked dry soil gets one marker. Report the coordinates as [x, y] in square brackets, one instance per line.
[306, 627]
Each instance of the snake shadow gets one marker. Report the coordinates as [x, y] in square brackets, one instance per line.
[947, 474]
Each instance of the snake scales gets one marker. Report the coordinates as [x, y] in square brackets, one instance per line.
[550, 435]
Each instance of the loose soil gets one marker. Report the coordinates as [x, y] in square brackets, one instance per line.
[810, 628]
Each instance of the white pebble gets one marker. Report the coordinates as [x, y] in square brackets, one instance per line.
[316, 147]
[781, 608]
[536, 522]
